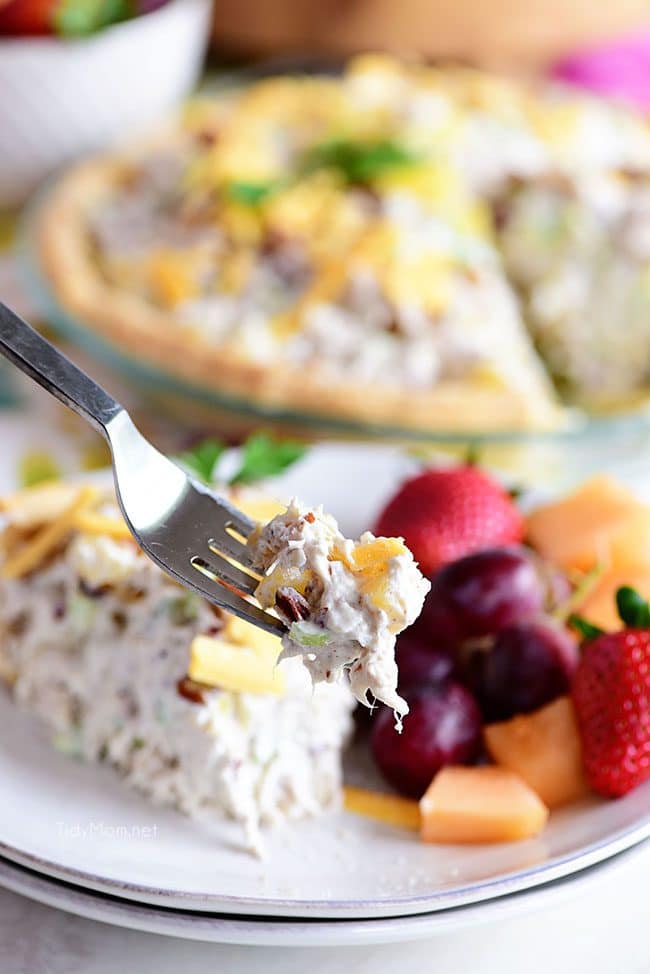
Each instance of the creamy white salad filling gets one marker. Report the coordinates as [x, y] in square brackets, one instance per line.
[344, 601]
[389, 332]
[581, 256]
[96, 643]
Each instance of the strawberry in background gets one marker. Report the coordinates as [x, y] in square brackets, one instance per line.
[27, 16]
[68, 18]
[444, 514]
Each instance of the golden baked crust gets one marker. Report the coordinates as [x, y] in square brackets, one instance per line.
[143, 332]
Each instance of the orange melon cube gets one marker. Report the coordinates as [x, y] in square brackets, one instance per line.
[599, 606]
[630, 545]
[544, 749]
[580, 530]
[486, 804]
[390, 809]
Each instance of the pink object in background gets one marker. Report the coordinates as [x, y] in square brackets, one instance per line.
[618, 68]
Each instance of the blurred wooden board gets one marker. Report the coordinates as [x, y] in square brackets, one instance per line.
[499, 33]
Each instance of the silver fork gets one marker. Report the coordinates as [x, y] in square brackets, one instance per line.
[187, 530]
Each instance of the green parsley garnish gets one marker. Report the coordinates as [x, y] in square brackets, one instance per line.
[250, 194]
[265, 456]
[202, 459]
[262, 455]
[359, 162]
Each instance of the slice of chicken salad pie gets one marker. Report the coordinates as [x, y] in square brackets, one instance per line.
[124, 666]
[194, 707]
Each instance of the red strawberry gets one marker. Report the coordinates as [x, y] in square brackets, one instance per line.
[445, 514]
[22, 17]
[611, 693]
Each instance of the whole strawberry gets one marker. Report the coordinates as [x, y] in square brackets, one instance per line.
[445, 514]
[611, 694]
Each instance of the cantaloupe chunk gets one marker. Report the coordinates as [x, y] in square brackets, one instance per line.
[629, 546]
[599, 607]
[485, 804]
[544, 749]
[581, 530]
[391, 809]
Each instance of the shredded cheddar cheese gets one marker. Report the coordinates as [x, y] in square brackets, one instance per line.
[109, 527]
[32, 553]
[33, 506]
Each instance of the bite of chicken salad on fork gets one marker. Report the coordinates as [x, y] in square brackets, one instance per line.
[344, 601]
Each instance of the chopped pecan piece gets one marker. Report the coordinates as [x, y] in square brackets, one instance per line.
[192, 691]
[93, 591]
[291, 604]
[207, 138]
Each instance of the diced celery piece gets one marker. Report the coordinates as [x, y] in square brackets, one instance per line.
[309, 634]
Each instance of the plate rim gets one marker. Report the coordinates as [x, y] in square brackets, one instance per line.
[291, 932]
[518, 881]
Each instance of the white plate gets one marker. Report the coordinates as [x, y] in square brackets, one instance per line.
[81, 824]
[249, 931]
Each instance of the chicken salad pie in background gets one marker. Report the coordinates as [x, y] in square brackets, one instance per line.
[373, 246]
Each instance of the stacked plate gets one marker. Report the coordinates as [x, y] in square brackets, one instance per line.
[295, 932]
[73, 836]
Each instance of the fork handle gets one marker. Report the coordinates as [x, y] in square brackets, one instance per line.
[43, 363]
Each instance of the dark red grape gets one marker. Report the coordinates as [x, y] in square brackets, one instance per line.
[442, 727]
[420, 663]
[481, 594]
[529, 665]
[148, 6]
[470, 667]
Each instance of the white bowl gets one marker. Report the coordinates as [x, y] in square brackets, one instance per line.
[60, 98]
